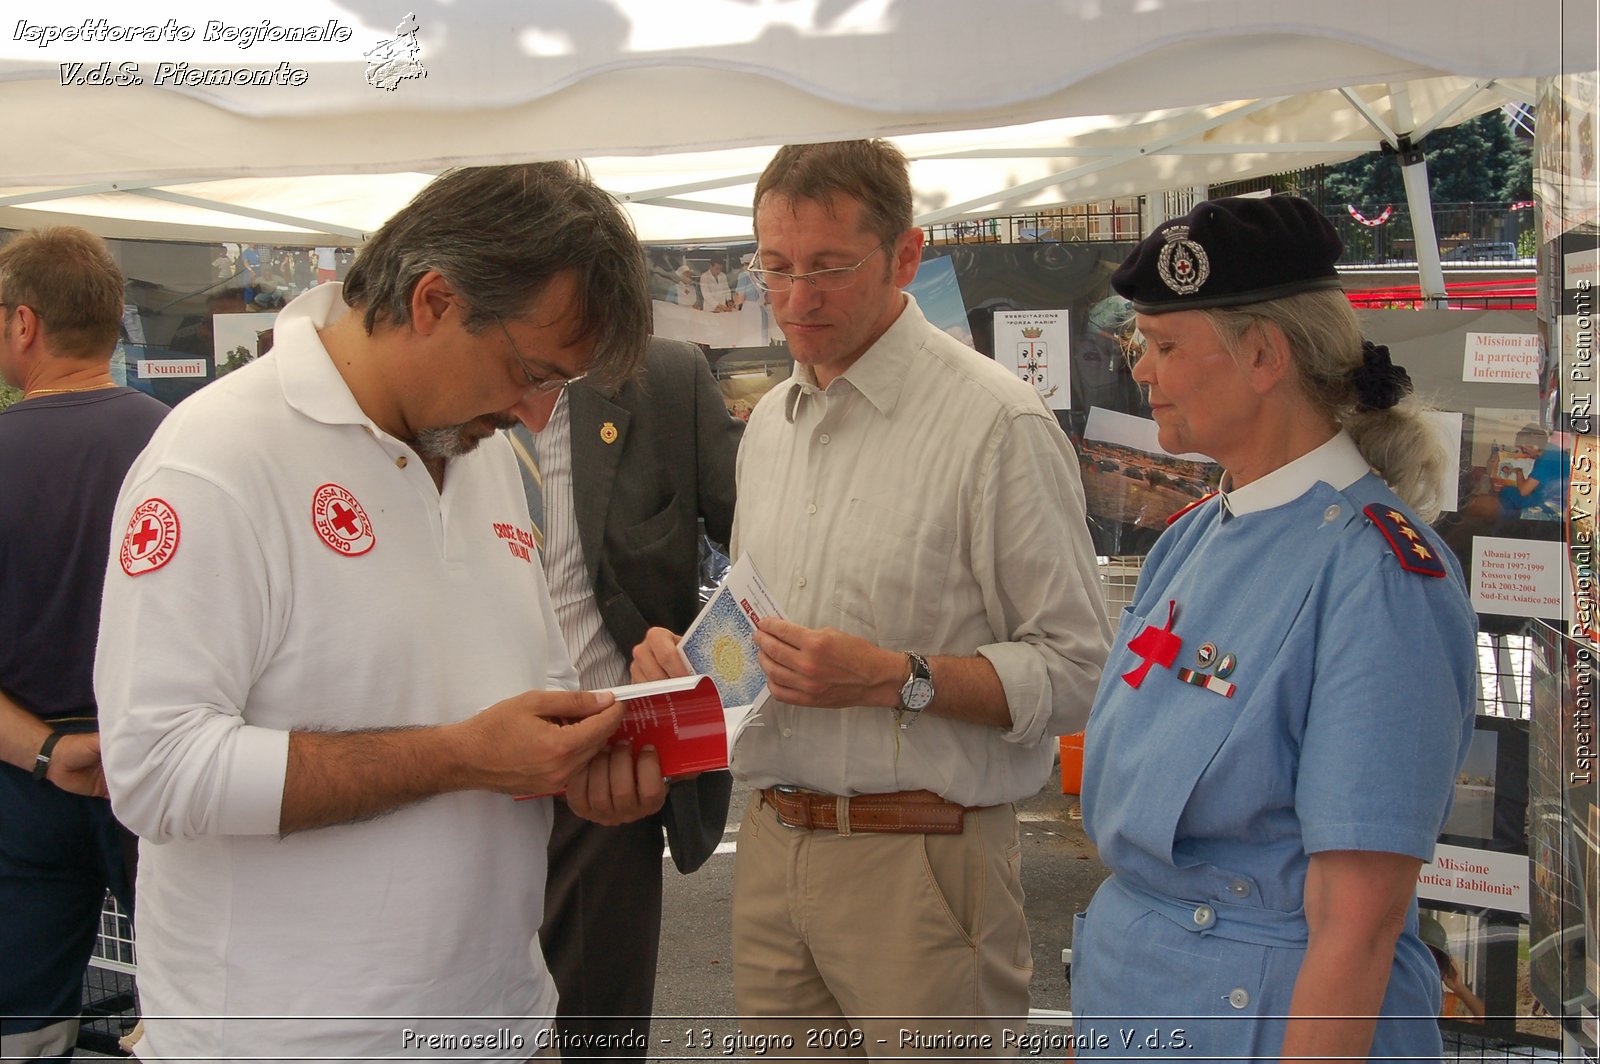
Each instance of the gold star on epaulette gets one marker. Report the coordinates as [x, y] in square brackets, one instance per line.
[1405, 541]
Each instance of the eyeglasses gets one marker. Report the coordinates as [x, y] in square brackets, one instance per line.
[833, 280]
[537, 382]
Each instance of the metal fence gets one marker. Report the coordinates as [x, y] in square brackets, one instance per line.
[1108, 222]
[1469, 234]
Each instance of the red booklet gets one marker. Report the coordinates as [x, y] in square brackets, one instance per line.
[681, 717]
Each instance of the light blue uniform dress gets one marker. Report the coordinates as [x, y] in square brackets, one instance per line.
[1306, 690]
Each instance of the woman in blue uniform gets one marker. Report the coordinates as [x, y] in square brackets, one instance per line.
[1274, 744]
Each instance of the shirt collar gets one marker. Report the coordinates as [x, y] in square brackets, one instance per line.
[1338, 463]
[881, 371]
[311, 383]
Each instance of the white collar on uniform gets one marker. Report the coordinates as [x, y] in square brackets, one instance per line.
[1338, 463]
[882, 369]
[311, 383]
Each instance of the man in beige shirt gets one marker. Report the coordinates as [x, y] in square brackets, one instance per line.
[917, 512]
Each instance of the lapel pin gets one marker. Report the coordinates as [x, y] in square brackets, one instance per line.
[608, 433]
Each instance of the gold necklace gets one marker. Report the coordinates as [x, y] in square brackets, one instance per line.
[67, 391]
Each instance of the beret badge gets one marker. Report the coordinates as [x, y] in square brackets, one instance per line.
[1182, 263]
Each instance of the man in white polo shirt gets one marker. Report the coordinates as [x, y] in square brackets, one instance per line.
[327, 655]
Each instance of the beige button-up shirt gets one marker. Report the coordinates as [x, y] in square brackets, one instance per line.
[927, 500]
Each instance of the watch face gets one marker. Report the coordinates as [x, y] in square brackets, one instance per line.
[916, 694]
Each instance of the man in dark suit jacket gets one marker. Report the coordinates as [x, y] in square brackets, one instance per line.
[618, 482]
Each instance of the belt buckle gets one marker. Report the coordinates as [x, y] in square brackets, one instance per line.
[784, 788]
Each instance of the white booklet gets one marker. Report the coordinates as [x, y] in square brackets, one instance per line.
[721, 643]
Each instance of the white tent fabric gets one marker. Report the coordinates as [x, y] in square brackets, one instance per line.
[1005, 106]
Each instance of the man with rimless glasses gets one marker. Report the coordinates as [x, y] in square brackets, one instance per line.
[328, 657]
[917, 511]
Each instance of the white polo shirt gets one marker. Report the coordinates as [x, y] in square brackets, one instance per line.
[279, 562]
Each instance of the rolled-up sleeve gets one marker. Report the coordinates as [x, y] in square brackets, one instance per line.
[180, 645]
[1033, 558]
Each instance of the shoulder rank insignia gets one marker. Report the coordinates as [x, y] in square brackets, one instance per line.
[1409, 545]
[1201, 501]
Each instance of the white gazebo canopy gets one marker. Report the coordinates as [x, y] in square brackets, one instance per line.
[676, 106]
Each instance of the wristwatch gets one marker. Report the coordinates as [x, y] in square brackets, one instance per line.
[916, 692]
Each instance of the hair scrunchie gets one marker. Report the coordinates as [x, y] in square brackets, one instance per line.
[1378, 382]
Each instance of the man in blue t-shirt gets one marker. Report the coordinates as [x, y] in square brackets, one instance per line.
[1537, 494]
[64, 449]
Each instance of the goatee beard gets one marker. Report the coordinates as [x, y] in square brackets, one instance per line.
[453, 441]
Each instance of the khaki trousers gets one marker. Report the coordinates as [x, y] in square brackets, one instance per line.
[916, 941]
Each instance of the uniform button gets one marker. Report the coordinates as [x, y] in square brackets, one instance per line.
[788, 733]
[400, 462]
[800, 582]
[1238, 997]
[1204, 916]
[811, 509]
[824, 439]
[1239, 888]
[1330, 514]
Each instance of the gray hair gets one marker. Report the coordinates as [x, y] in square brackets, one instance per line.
[499, 234]
[1325, 341]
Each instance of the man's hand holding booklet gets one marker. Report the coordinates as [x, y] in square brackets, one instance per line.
[692, 721]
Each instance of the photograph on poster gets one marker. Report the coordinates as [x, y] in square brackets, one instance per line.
[744, 383]
[1129, 480]
[240, 339]
[1472, 813]
[938, 294]
[706, 296]
[1516, 465]
[1453, 940]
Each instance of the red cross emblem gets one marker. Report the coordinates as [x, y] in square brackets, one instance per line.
[151, 539]
[1157, 646]
[340, 521]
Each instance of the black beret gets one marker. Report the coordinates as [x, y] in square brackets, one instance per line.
[1229, 252]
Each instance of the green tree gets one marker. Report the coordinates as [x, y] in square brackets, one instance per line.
[238, 358]
[1477, 161]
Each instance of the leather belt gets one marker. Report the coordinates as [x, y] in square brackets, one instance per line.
[903, 812]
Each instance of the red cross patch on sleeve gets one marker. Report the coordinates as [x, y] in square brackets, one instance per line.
[151, 539]
[1408, 544]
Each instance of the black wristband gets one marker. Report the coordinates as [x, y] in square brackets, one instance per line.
[41, 760]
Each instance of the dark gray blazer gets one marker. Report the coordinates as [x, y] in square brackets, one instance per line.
[638, 501]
